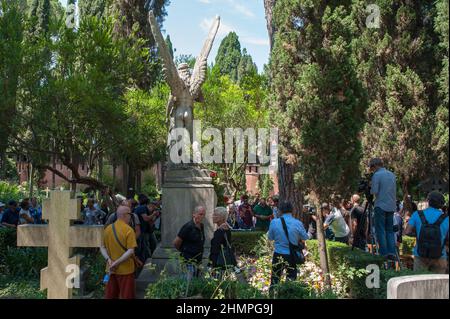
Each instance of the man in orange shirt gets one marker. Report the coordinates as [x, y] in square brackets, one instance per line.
[118, 250]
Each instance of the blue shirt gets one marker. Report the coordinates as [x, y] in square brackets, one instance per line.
[384, 187]
[431, 215]
[10, 217]
[295, 229]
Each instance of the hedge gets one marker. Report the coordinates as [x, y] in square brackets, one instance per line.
[8, 238]
[20, 289]
[407, 245]
[244, 242]
[340, 254]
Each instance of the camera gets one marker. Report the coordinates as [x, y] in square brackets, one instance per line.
[310, 210]
[364, 186]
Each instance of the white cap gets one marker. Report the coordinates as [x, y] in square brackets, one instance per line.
[2, 205]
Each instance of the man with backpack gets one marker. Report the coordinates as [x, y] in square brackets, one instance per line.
[430, 227]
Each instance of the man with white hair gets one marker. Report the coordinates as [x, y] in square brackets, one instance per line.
[190, 242]
[221, 255]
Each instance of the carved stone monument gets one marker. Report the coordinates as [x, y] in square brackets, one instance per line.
[59, 236]
[432, 286]
[184, 186]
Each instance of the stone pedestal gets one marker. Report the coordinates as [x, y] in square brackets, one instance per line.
[418, 287]
[183, 190]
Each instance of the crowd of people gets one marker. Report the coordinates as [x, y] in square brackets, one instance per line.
[26, 212]
[379, 226]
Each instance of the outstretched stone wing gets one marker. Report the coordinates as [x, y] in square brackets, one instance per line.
[170, 70]
[201, 64]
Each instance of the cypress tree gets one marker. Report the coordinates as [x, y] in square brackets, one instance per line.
[229, 56]
[317, 100]
[441, 131]
[396, 62]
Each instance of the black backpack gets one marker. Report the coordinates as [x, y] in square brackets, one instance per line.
[429, 244]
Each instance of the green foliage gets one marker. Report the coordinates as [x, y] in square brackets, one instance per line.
[24, 262]
[149, 186]
[441, 131]
[244, 242]
[9, 191]
[229, 56]
[341, 254]
[298, 290]
[317, 101]
[179, 288]
[397, 65]
[232, 62]
[98, 8]
[8, 238]
[350, 268]
[407, 245]
[266, 185]
[11, 36]
[95, 264]
[359, 289]
[224, 103]
[20, 289]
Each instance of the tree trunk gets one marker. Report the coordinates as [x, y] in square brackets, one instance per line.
[30, 172]
[139, 181]
[322, 246]
[407, 203]
[289, 191]
[53, 173]
[114, 177]
[269, 5]
[131, 181]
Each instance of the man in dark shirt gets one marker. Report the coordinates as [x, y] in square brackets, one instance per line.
[359, 223]
[190, 242]
[11, 216]
[246, 213]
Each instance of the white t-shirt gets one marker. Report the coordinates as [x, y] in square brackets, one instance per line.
[337, 223]
[24, 212]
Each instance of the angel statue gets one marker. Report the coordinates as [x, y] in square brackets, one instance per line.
[185, 86]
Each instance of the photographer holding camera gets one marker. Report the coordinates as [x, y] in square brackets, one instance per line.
[384, 187]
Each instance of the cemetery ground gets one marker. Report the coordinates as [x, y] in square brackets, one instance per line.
[20, 269]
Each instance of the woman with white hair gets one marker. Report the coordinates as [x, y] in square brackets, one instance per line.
[221, 254]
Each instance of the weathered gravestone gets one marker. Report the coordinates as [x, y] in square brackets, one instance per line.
[418, 287]
[60, 237]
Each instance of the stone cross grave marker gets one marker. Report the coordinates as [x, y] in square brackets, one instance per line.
[60, 237]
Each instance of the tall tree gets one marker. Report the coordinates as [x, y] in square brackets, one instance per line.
[11, 52]
[441, 131]
[396, 62]
[229, 56]
[246, 66]
[288, 185]
[40, 13]
[94, 7]
[224, 102]
[269, 5]
[317, 99]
